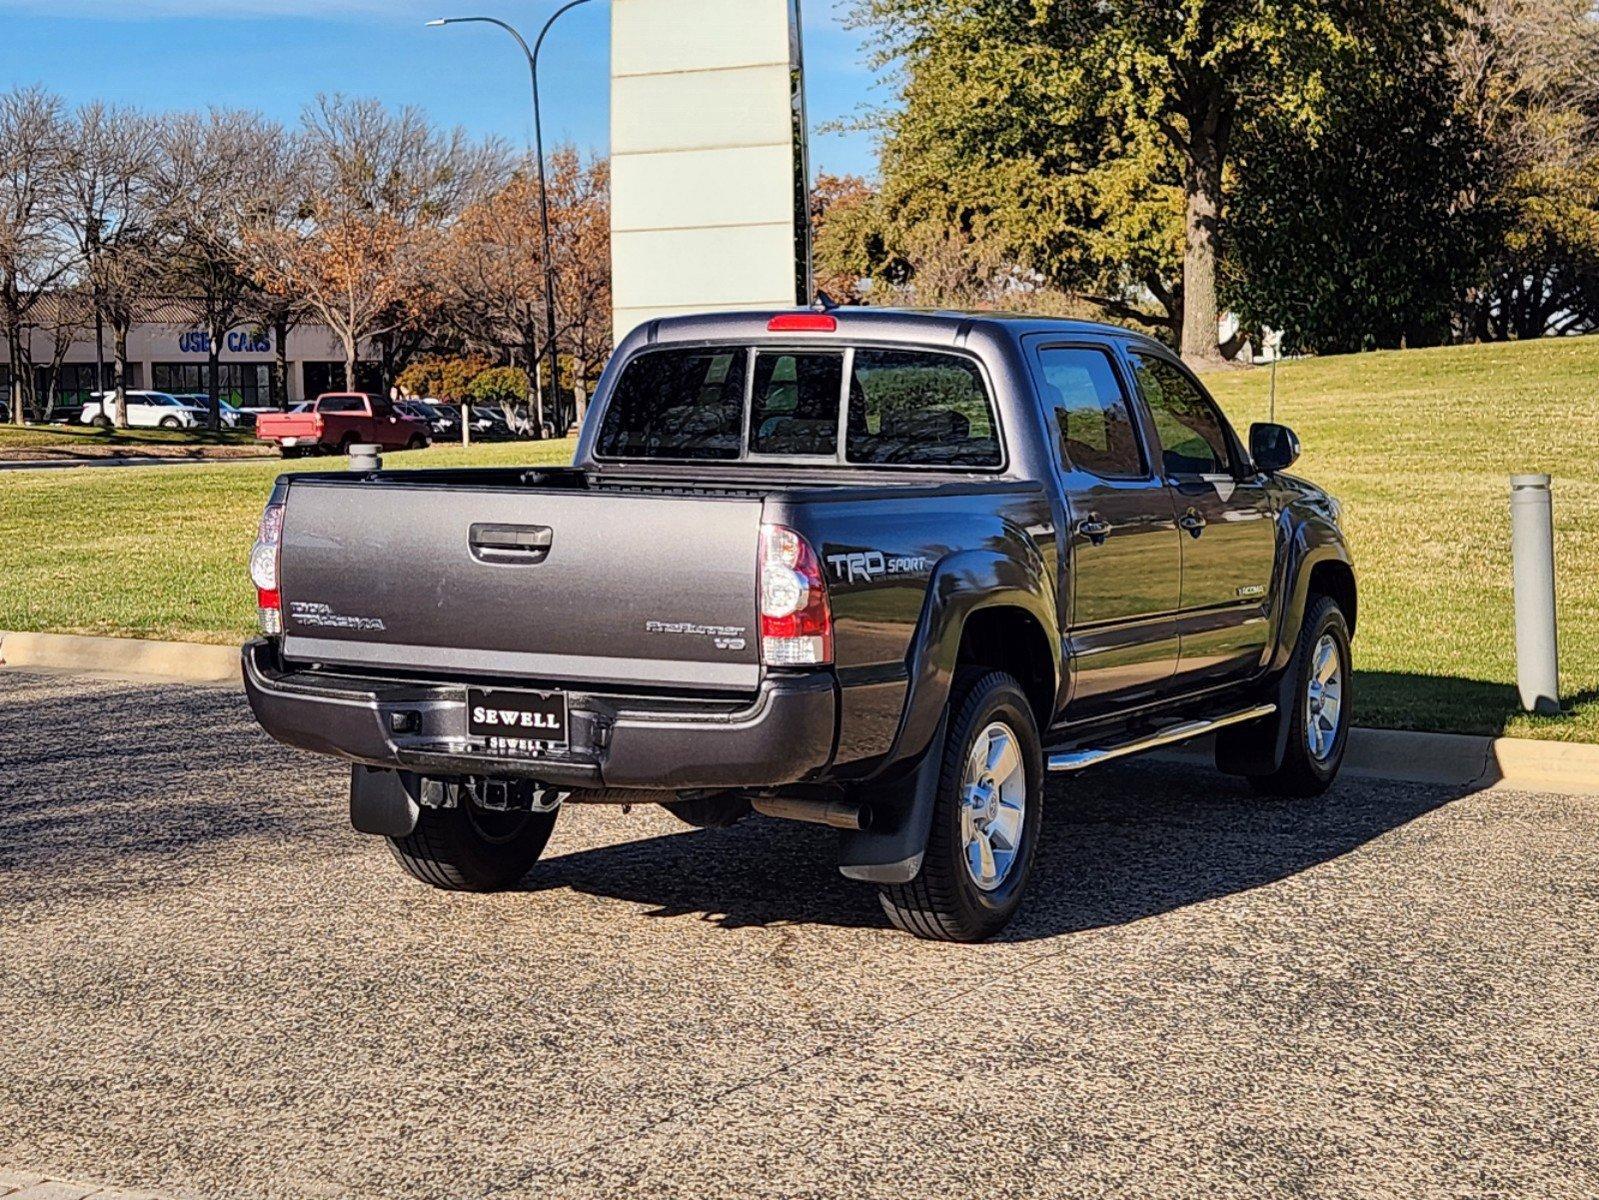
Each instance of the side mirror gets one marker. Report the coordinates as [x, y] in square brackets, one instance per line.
[1273, 447]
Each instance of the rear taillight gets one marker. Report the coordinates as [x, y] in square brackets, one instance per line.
[264, 570]
[796, 620]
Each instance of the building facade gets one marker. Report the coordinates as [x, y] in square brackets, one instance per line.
[168, 352]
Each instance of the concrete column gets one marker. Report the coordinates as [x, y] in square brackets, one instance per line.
[709, 178]
[1532, 535]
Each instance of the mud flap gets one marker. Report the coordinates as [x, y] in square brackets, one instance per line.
[1257, 748]
[384, 802]
[891, 850]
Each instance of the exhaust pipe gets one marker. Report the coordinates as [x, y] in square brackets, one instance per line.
[834, 813]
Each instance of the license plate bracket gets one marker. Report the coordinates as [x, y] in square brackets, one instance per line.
[517, 721]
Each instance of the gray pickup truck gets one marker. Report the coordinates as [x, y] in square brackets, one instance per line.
[879, 570]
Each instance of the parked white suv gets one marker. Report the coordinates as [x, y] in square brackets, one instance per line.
[145, 410]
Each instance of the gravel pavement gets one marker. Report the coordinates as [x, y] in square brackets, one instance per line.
[211, 987]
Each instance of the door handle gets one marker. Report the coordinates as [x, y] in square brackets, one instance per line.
[511, 543]
[1192, 521]
[1095, 530]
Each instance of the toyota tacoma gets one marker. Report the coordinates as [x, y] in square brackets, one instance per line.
[878, 570]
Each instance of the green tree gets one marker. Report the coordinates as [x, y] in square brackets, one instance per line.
[499, 385]
[847, 235]
[1095, 137]
[1357, 239]
[441, 378]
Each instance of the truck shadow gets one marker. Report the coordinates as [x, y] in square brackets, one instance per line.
[1119, 845]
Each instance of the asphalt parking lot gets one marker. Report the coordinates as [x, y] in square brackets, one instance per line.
[212, 988]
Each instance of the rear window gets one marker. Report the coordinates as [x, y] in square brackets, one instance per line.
[921, 409]
[794, 408]
[889, 407]
[677, 404]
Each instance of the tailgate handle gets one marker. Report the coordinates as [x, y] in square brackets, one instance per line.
[511, 543]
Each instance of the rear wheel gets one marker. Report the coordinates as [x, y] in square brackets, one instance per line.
[986, 817]
[101, 422]
[417, 442]
[473, 849]
[346, 444]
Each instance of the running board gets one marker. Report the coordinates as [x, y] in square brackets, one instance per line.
[1078, 760]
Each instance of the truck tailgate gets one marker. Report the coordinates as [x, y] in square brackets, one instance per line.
[557, 584]
[278, 425]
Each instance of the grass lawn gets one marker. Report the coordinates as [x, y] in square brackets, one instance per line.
[160, 552]
[1419, 445]
[78, 437]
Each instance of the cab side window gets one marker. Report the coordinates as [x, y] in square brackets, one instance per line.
[1193, 435]
[1091, 412]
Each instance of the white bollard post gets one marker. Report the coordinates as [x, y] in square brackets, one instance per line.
[1532, 542]
[366, 457]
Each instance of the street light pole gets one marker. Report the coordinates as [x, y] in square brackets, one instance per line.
[544, 191]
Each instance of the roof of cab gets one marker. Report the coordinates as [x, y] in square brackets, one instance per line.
[928, 324]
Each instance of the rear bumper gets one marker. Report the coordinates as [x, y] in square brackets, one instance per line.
[785, 735]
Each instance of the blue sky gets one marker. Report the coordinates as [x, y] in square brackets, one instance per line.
[274, 55]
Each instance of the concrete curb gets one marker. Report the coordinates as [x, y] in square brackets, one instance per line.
[1457, 760]
[186, 662]
[1447, 759]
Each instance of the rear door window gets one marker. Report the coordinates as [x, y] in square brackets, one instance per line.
[677, 404]
[913, 408]
[1092, 413]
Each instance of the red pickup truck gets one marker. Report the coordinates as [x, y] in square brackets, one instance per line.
[335, 421]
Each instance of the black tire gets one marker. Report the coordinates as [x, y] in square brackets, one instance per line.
[345, 442]
[1302, 773]
[170, 423]
[101, 422]
[710, 812]
[471, 849]
[417, 442]
[944, 901]
[290, 451]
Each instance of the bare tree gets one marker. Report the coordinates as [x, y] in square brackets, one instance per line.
[34, 253]
[581, 212]
[67, 312]
[490, 274]
[277, 199]
[109, 203]
[212, 171]
[378, 185]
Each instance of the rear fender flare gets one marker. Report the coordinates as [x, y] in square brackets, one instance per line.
[964, 584]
